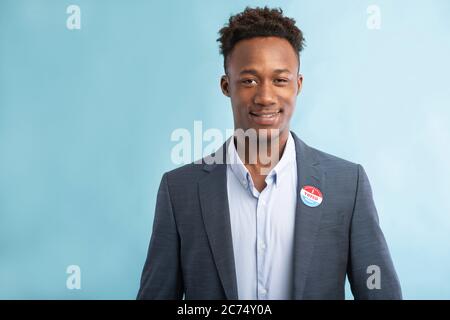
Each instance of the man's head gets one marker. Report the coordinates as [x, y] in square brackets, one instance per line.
[261, 50]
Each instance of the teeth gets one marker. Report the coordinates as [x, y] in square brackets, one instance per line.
[269, 115]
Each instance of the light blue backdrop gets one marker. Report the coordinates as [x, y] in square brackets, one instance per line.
[86, 117]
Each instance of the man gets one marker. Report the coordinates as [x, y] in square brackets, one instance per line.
[290, 228]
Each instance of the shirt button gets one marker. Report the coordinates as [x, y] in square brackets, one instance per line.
[263, 246]
[263, 291]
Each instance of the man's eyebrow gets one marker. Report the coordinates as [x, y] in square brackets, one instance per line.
[254, 72]
[282, 71]
[251, 71]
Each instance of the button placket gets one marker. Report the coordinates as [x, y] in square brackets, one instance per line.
[261, 216]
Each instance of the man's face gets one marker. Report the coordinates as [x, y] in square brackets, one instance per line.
[263, 83]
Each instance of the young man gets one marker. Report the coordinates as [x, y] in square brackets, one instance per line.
[290, 228]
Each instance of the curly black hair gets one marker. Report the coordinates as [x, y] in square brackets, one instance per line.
[259, 22]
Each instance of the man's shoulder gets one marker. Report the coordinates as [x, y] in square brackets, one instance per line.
[338, 171]
[188, 173]
[194, 171]
[329, 162]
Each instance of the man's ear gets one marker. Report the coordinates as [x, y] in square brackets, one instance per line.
[299, 83]
[225, 85]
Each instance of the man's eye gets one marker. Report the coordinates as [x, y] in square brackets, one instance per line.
[281, 80]
[249, 81]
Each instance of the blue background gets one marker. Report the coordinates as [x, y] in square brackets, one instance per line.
[86, 117]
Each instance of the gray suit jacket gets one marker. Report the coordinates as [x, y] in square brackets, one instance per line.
[191, 250]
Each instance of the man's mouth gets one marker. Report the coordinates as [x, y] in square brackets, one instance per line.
[266, 118]
[265, 114]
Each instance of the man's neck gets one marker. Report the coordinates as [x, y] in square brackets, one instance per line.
[262, 158]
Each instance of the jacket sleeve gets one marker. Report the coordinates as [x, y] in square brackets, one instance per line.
[161, 276]
[370, 269]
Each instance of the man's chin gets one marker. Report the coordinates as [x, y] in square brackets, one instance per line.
[260, 133]
[267, 134]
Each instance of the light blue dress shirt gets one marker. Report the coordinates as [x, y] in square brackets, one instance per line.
[262, 226]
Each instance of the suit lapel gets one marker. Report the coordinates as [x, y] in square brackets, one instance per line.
[216, 216]
[307, 219]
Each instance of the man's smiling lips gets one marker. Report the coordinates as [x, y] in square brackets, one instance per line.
[266, 118]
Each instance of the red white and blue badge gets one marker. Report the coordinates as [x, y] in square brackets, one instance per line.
[311, 196]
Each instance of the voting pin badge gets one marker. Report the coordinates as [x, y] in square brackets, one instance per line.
[311, 196]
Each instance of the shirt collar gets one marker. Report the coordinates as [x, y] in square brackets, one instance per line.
[236, 165]
[238, 168]
[286, 162]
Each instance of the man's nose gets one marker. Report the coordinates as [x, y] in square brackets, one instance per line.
[264, 95]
